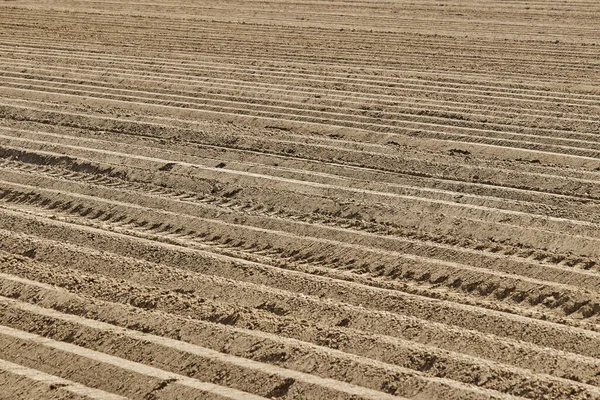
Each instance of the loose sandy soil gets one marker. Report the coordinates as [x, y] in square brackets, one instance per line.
[299, 199]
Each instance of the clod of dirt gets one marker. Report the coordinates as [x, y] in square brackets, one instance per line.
[167, 167]
[461, 152]
[281, 390]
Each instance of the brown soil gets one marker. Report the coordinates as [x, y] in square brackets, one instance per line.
[285, 199]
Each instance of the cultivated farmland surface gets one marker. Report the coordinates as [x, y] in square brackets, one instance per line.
[247, 199]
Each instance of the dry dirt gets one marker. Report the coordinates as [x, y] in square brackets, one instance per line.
[299, 199]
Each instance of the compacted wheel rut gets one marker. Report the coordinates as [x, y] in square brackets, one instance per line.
[285, 200]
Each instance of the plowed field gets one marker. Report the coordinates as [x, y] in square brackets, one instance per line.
[249, 199]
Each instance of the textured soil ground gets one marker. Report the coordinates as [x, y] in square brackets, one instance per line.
[288, 199]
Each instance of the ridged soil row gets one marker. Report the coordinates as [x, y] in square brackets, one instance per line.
[91, 147]
[351, 147]
[369, 106]
[469, 82]
[537, 121]
[26, 146]
[371, 9]
[586, 152]
[502, 148]
[151, 286]
[314, 160]
[145, 298]
[493, 254]
[96, 368]
[20, 382]
[423, 21]
[224, 212]
[579, 88]
[358, 115]
[370, 40]
[531, 8]
[261, 350]
[305, 241]
[161, 178]
[572, 126]
[457, 123]
[271, 345]
[339, 47]
[184, 253]
[344, 52]
[539, 227]
[262, 211]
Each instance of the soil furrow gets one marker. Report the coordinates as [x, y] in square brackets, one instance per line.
[299, 199]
